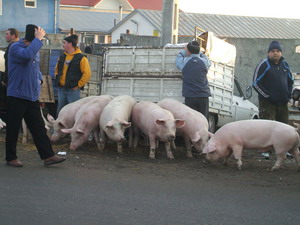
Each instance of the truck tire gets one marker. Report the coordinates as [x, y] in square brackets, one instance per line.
[211, 123]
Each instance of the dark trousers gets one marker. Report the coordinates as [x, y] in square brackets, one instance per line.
[199, 104]
[270, 111]
[17, 109]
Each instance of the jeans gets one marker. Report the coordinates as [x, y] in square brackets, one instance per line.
[66, 96]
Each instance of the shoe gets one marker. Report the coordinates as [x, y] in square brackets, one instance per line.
[289, 155]
[14, 163]
[53, 160]
[265, 155]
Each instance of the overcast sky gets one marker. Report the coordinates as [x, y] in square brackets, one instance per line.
[265, 8]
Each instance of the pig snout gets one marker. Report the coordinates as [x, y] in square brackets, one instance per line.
[171, 138]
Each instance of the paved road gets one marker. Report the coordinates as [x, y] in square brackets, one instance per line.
[88, 189]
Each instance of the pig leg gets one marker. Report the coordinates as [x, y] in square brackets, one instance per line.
[188, 146]
[25, 132]
[119, 145]
[168, 148]
[97, 139]
[279, 161]
[102, 140]
[296, 154]
[173, 145]
[136, 136]
[130, 137]
[227, 157]
[152, 147]
[237, 153]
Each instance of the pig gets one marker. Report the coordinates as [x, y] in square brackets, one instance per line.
[253, 134]
[115, 119]
[86, 121]
[195, 129]
[156, 123]
[66, 118]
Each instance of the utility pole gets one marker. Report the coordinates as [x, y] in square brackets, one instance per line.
[170, 17]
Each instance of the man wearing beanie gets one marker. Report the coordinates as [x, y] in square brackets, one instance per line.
[23, 91]
[273, 82]
[72, 72]
[194, 67]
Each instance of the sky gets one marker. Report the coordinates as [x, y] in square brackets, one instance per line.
[264, 8]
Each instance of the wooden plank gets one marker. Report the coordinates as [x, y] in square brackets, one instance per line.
[47, 95]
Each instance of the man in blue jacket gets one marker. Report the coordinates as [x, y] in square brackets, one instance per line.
[273, 82]
[23, 90]
[194, 68]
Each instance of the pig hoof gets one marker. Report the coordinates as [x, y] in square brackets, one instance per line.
[189, 155]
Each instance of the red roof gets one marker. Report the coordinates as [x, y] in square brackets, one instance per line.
[136, 4]
[80, 2]
[146, 4]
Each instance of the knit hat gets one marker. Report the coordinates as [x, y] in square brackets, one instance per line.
[193, 47]
[72, 39]
[30, 32]
[274, 45]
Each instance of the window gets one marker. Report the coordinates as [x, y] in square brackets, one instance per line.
[30, 3]
[297, 50]
[0, 7]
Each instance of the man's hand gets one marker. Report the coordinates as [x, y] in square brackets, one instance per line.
[39, 33]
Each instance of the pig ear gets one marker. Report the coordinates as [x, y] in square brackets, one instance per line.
[61, 126]
[109, 125]
[179, 123]
[50, 118]
[126, 124]
[196, 138]
[209, 147]
[78, 130]
[160, 122]
[66, 131]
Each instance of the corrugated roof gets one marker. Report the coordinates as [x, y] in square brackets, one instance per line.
[82, 20]
[231, 26]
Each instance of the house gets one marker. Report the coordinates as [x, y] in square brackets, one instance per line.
[19, 13]
[93, 19]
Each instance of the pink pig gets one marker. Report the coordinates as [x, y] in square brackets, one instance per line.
[115, 119]
[86, 121]
[195, 129]
[253, 134]
[157, 123]
[66, 118]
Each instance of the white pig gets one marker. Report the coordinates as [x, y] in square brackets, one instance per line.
[115, 119]
[253, 134]
[157, 123]
[86, 121]
[66, 118]
[195, 129]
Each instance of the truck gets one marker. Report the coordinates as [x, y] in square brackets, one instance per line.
[150, 74]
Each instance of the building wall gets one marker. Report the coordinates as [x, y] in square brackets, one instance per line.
[14, 14]
[143, 27]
